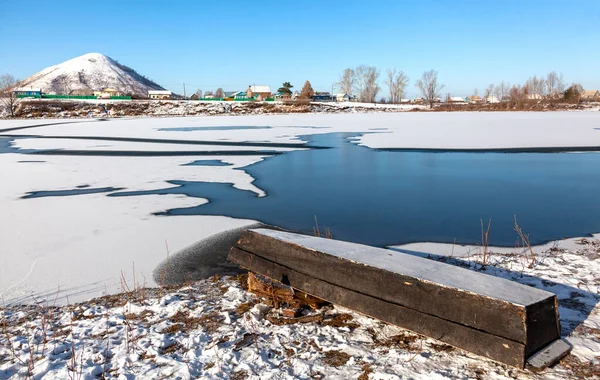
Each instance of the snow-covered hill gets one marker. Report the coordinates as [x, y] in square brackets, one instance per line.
[92, 71]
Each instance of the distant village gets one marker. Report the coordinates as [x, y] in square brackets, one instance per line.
[264, 93]
[253, 93]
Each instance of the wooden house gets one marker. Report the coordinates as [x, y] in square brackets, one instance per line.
[28, 92]
[590, 95]
[160, 94]
[106, 93]
[258, 92]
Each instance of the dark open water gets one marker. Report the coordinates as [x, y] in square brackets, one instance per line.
[392, 197]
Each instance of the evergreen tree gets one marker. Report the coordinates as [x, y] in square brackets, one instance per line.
[285, 88]
[307, 91]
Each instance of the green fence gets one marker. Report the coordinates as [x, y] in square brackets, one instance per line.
[47, 96]
[28, 96]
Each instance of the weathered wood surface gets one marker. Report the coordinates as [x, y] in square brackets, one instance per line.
[479, 342]
[549, 355]
[487, 303]
[277, 293]
[461, 307]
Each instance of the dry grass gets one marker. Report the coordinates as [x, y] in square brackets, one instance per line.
[485, 240]
[441, 347]
[530, 258]
[242, 279]
[366, 370]
[579, 369]
[183, 322]
[317, 231]
[144, 314]
[335, 358]
[401, 341]
[243, 308]
[341, 320]
[279, 321]
[240, 375]
[171, 349]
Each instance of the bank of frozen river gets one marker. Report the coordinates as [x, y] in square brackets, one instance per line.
[215, 329]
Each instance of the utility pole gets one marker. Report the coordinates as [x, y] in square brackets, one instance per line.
[184, 97]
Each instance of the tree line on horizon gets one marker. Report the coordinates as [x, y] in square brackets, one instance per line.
[363, 82]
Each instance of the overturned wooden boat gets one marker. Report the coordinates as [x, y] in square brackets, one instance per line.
[493, 317]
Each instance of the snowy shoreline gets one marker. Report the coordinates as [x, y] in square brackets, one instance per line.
[213, 328]
[53, 108]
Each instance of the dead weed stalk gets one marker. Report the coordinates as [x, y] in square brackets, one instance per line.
[485, 240]
[530, 259]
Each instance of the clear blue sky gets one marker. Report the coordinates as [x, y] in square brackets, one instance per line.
[231, 44]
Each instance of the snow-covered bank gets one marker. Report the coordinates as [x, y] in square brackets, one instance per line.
[53, 108]
[215, 329]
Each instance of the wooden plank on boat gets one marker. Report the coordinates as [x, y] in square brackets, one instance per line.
[549, 355]
[459, 297]
[481, 343]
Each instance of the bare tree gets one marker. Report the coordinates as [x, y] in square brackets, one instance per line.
[429, 86]
[535, 86]
[502, 90]
[8, 99]
[475, 92]
[198, 93]
[61, 84]
[219, 93]
[551, 81]
[347, 81]
[517, 96]
[560, 84]
[366, 83]
[488, 91]
[397, 82]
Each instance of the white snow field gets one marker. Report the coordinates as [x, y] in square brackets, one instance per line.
[69, 249]
[431, 130]
[78, 245]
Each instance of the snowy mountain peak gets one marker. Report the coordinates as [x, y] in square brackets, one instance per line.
[89, 72]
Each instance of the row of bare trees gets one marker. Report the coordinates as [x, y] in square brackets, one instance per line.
[362, 81]
[218, 93]
[552, 84]
[396, 82]
[549, 88]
